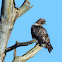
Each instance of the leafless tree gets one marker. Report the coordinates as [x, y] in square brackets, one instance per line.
[9, 14]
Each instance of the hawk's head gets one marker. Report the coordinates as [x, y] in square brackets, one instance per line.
[40, 22]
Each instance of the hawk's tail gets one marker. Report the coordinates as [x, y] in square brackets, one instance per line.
[49, 47]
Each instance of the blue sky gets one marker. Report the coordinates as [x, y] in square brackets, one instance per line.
[51, 11]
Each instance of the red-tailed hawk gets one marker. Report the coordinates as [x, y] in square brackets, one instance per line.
[40, 34]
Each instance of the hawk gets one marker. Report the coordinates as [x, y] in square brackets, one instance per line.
[40, 34]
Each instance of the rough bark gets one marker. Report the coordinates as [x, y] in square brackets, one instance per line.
[9, 14]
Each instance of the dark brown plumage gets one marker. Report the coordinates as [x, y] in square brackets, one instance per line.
[40, 34]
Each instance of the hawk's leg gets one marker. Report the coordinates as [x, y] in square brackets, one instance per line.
[43, 44]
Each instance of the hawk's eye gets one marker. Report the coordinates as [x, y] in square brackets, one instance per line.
[42, 22]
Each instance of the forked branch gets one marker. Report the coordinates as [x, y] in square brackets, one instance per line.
[27, 55]
[23, 8]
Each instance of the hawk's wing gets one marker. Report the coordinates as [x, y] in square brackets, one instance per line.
[41, 35]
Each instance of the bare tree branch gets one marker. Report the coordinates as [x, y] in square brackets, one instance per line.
[24, 8]
[27, 55]
[20, 44]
